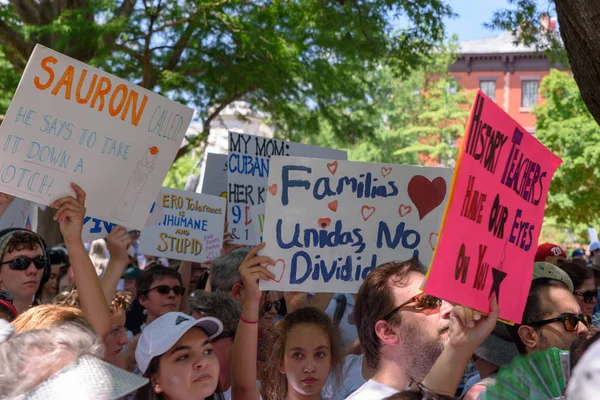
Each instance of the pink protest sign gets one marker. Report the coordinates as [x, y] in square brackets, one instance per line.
[494, 216]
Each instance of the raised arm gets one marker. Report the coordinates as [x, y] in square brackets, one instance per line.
[118, 242]
[245, 345]
[5, 200]
[468, 330]
[70, 213]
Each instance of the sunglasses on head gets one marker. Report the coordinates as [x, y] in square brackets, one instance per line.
[424, 302]
[269, 306]
[23, 262]
[570, 321]
[588, 296]
[164, 289]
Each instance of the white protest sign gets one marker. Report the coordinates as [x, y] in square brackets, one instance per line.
[191, 229]
[94, 228]
[329, 223]
[69, 122]
[593, 234]
[214, 180]
[20, 214]
[248, 171]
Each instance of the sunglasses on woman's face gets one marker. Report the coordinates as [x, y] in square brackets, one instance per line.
[274, 304]
[164, 289]
[588, 296]
[570, 321]
[23, 262]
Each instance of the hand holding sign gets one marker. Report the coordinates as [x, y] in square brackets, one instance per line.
[252, 270]
[70, 214]
[118, 242]
[469, 328]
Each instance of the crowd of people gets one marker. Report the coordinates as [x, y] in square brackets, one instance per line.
[97, 321]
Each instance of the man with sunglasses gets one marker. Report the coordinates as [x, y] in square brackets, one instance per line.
[402, 331]
[552, 318]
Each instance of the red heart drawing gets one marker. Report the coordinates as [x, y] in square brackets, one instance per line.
[385, 171]
[332, 167]
[404, 210]
[277, 269]
[367, 212]
[333, 205]
[425, 194]
[433, 238]
[273, 189]
[324, 222]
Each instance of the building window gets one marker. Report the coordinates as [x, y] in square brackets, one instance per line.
[529, 93]
[488, 88]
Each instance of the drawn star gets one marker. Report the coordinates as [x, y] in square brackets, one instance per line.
[497, 277]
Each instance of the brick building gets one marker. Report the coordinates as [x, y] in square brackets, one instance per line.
[507, 73]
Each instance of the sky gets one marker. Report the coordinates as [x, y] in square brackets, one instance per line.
[472, 14]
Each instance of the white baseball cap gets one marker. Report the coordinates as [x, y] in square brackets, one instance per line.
[158, 337]
[594, 246]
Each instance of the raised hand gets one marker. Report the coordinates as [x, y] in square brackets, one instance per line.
[118, 242]
[468, 328]
[5, 199]
[252, 270]
[70, 214]
[229, 247]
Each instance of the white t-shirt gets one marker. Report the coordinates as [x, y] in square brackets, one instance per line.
[373, 391]
[352, 379]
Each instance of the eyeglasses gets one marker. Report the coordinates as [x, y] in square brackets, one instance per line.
[424, 302]
[274, 304]
[164, 289]
[570, 321]
[588, 296]
[6, 296]
[23, 262]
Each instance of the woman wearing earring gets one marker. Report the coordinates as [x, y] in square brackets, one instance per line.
[176, 354]
[302, 350]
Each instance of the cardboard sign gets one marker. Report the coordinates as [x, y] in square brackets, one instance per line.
[248, 171]
[494, 216]
[214, 177]
[69, 122]
[94, 228]
[20, 214]
[191, 229]
[329, 223]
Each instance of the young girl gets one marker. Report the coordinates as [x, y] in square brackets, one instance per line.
[303, 348]
[175, 353]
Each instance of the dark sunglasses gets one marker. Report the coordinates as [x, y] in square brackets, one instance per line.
[269, 306]
[164, 289]
[570, 321]
[424, 302]
[22, 263]
[6, 296]
[589, 296]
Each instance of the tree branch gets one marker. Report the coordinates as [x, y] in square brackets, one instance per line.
[124, 11]
[29, 11]
[130, 52]
[15, 40]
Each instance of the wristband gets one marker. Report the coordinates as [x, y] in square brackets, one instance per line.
[248, 322]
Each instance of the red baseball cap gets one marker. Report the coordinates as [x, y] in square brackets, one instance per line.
[549, 250]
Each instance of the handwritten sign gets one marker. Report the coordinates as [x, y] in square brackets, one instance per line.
[593, 234]
[494, 216]
[94, 228]
[214, 177]
[69, 122]
[20, 214]
[329, 223]
[248, 171]
[191, 229]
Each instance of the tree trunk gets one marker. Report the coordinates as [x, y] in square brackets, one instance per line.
[578, 21]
